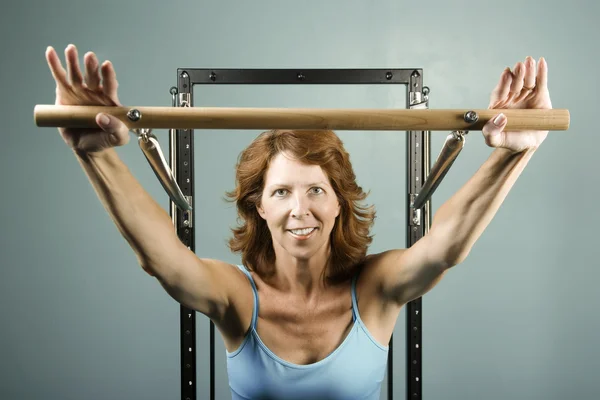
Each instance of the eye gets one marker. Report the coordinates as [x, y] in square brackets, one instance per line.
[280, 192]
[316, 190]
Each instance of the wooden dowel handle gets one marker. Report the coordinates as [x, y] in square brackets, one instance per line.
[299, 118]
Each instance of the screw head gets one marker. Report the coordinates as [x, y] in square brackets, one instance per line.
[134, 115]
[389, 76]
[471, 117]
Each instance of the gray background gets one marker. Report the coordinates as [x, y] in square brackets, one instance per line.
[80, 319]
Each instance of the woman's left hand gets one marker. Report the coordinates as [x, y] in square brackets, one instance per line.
[526, 87]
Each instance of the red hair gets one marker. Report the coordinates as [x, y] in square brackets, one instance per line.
[349, 238]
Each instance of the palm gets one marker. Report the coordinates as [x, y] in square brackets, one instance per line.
[524, 88]
[99, 87]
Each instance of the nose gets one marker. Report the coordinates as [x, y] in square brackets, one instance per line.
[300, 207]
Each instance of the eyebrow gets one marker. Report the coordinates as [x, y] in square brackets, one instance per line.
[307, 185]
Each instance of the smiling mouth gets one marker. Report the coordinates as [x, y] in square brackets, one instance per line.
[302, 233]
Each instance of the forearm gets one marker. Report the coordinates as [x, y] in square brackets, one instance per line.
[142, 222]
[461, 220]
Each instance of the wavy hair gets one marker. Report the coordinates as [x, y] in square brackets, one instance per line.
[350, 236]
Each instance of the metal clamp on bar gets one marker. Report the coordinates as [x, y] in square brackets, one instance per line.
[151, 149]
[453, 145]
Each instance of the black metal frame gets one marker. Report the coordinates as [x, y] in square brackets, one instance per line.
[181, 145]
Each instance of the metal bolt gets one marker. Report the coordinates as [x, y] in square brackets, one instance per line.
[134, 115]
[301, 76]
[471, 117]
[389, 76]
[213, 76]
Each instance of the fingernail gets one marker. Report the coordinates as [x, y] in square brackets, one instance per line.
[500, 119]
[104, 120]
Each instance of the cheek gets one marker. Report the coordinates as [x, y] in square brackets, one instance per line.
[330, 211]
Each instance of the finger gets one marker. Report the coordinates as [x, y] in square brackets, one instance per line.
[530, 72]
[58, 72]
[542, 75]
[528, 79]
[492, 130]
[115, 128]
[501, 91]
[92, 73]
[517, 83]
[110, 83]
[73, 65]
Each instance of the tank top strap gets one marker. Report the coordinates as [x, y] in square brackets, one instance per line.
[355, 314]
[254, 292]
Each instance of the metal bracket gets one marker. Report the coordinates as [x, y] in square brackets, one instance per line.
[151, 148]
[188, 217]
[453, 145]
[418, 100]
[185, 99]
[416, 212]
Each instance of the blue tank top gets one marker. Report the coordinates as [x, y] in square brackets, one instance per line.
[354, 370]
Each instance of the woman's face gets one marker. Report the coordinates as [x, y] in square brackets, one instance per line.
[299, 206]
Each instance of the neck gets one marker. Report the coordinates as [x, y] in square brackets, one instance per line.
[304, 277]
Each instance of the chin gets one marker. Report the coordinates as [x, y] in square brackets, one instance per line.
[301, 255]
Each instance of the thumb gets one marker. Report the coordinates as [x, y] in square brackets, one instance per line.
[492, 130]
[117, 131]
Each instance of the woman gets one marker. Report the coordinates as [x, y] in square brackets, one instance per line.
[308, 314]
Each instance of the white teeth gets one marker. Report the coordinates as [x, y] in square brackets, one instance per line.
[302, 232]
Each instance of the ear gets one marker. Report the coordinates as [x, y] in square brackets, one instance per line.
[339, 209]
[261, 211]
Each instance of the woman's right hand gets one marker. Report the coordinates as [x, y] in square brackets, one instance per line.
[98, 87]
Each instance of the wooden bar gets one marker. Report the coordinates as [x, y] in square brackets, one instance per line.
[300, 118]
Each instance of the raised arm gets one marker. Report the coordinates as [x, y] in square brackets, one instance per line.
[201, 284]
[403, 275]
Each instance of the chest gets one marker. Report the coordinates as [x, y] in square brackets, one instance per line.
[302, 333]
